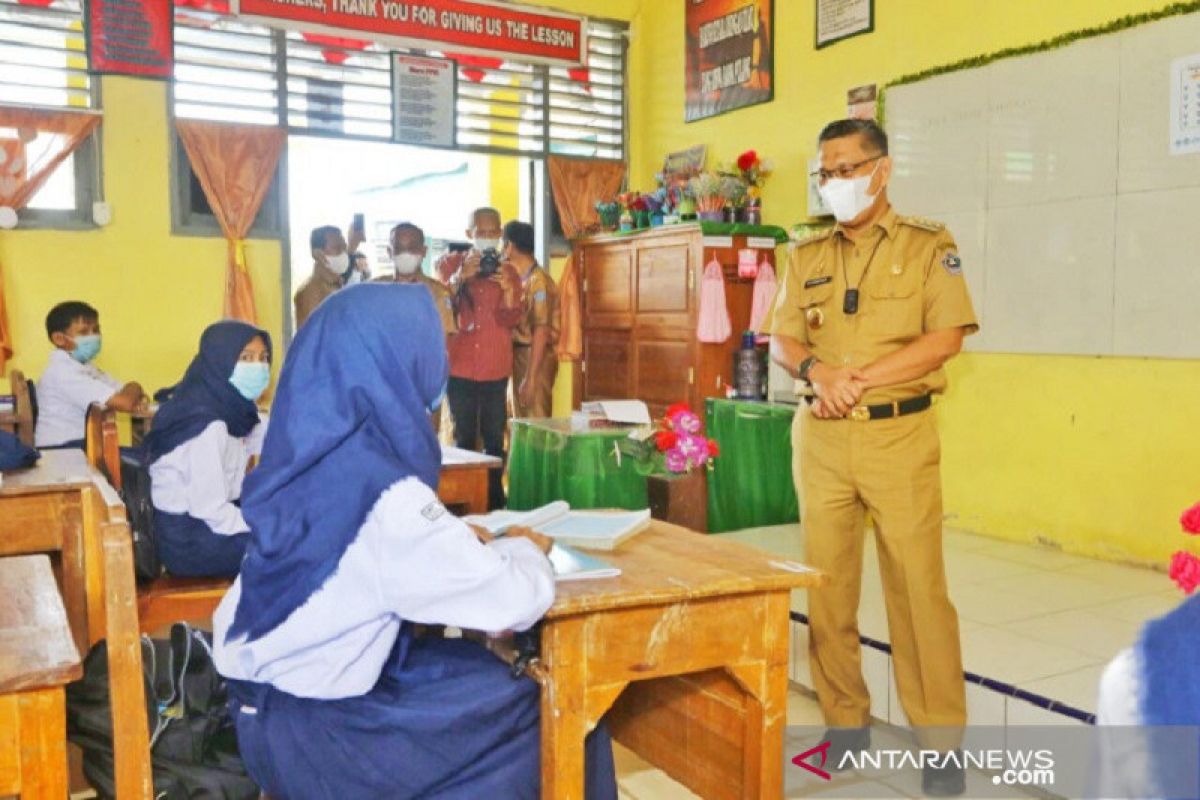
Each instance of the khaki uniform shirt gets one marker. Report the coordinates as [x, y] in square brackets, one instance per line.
[319, 285]
[442, 299]
[541, 307]
[910, 283]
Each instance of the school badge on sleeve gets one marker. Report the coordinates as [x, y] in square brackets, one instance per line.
[952, 263]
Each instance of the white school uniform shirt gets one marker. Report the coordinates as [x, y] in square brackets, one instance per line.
[412, 560]
[203, 476]
[64, 392]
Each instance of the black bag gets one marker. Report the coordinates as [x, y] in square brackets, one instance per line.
[193, 746]
[135, 492]
[15, 454]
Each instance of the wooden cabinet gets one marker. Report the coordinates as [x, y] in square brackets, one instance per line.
[641, 300]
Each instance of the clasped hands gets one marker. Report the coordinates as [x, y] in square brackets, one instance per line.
[838, 390]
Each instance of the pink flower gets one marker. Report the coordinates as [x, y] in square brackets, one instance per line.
[1190, 520]
[685, 422]
[676, 460]
[1185, 571]
[694, 447]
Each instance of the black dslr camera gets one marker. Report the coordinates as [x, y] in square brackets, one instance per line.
[489, 262]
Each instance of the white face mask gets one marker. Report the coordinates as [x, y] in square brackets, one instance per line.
[407, 263]
[487, 244]
[847, 197]
[339, 263]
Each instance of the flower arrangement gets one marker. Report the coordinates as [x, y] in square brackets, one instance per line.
[610, 213]
[1185, 567]
[734, 190]
[754, 171]
[705, 188]
[676, 444]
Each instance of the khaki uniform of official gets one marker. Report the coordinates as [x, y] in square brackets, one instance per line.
[320, 284]
[890, 467]
[442, 298]
[541, 309]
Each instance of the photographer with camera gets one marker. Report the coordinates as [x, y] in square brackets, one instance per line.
[488, 303]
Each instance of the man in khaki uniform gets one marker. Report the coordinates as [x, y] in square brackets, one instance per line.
[406, 246]
[867, 314]
[333, 268]
[535, 365]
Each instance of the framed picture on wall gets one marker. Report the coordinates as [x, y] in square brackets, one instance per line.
[730, 56]
[841, 19]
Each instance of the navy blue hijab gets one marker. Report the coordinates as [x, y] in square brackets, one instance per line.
[350, 419]
[205, 393]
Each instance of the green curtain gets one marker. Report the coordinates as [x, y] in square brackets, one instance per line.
[750, 484]
[548, 461]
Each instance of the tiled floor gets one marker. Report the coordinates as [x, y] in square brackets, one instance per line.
[1030, 616]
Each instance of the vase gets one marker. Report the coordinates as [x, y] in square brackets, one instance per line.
[641, 219]
[610, 218]
[657, 220]
[731, 215]
[626, 221]
[711, 216]
[751, 214]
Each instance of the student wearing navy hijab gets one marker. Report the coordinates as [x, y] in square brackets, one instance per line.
[201, 443]
[333, 694]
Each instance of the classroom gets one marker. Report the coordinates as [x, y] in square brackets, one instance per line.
[564, 398]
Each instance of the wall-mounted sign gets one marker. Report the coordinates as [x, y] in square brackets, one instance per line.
[130, 37]
[841, 19]
[423, 96]
[468, 26]
[730, 55]
[1185, 105]
[862, 102]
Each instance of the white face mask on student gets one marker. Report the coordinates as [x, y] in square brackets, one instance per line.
[847, 197]
[407, 263]
[339, 263]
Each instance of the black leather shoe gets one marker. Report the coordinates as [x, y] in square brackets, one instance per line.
[845, 740]
[946, 780]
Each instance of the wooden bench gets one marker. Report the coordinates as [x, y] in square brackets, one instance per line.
[20, 420]
[37, 659]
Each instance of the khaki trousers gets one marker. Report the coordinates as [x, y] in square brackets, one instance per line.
[543, 394]
[891, 468]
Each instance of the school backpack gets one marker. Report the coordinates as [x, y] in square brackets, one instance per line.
[135, 492]
[193, 746]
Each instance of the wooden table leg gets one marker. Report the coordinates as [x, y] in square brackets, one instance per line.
[75, 572]
[766, 685]
[43, 738]
[564, 710]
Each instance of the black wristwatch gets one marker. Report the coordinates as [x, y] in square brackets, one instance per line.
[806, 367]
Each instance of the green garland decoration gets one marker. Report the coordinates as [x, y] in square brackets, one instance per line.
[1119, 24]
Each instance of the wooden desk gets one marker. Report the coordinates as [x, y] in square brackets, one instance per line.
[37, 659]
[58, 507]
[685, 605]
[464, 479]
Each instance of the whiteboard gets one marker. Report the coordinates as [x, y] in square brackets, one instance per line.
[1079, 231]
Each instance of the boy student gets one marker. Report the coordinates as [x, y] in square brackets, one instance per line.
[534, 363]
[70, 382]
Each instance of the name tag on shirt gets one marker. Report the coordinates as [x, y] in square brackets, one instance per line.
[808, 284]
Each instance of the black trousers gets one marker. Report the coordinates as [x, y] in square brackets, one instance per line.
[480, 409]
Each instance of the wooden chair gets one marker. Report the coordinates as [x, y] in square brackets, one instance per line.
[165, 599]
[21, 420]
[37, 659]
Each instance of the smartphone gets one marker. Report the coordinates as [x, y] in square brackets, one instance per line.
[359, 224]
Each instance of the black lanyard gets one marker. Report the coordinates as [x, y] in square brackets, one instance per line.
[850, 299]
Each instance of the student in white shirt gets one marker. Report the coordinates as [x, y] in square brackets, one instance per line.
[71, 382]
[334, 694]
[202, 440]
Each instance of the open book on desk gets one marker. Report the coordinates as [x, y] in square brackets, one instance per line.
[575, 565]
[591, 530]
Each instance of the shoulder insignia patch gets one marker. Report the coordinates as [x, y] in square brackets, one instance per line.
[539, 296]
[952, 263]
[811, 237]
[924, 224]
[433, 511]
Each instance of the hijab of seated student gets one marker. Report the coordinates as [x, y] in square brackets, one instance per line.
[202, 440]
[333, 692]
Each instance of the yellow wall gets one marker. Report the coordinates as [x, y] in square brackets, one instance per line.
[155, 292]
[1090, 454]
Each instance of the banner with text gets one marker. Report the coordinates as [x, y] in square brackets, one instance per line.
[729, 55]
[129, 37]
[457, 25]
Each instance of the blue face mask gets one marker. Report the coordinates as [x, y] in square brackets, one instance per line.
[86, 348]
[251, 379]
[437, 403]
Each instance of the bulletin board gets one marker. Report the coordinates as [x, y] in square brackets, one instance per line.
[1062, 177]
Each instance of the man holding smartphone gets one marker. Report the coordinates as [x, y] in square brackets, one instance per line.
[334, 257]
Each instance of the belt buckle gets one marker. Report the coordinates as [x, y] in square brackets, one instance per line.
[860, 414]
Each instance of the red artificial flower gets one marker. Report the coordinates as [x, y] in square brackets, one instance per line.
[1190, 520]
[1185, 571]
[677, 408]
[714, 449]
[747, 160]
[665, 440]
